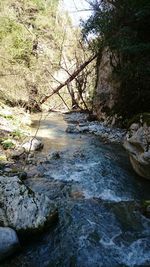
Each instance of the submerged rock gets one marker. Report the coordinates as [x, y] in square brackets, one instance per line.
[21, 208]
[137, 143]
[72, 128]
[54, 155]
[54, 189]
[9, 242]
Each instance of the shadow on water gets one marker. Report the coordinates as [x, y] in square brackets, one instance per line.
[98, 197]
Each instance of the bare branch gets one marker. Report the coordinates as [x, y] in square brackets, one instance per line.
[71, 78]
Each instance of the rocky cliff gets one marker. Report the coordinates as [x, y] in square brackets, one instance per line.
[106, 91]
[106, 98]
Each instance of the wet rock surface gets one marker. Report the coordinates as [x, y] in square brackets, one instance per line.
[54, 189]
[9, 242]
[114, 135]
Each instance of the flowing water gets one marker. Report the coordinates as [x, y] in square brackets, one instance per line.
[98, 196]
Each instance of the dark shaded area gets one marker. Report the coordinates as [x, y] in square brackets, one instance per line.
[123, 26]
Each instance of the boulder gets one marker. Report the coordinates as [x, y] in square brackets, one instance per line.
[21, 208]
[33, 145]
[9, 242]
[137, 143]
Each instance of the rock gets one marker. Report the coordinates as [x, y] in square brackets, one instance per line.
[54, 155]
[17, 153]
[7, 169]
[72, 129]
[33, 145]
[111, 134]
[134, 127]
[9, 242]
[26, 119]
[21, 208]
[137, 143]
[76, 117]
[23, 175]
[53, 189]
[106, 91]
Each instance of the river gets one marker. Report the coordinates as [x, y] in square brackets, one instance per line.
[98, 196]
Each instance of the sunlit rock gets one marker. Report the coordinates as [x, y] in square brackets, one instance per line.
[137, 143]
[21, 208]
[33, 144]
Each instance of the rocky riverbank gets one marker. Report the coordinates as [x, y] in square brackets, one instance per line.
[78, 123]
[21, 209]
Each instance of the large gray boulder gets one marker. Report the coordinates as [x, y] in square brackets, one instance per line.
[9, 242]
[21, 208]
[137, 143]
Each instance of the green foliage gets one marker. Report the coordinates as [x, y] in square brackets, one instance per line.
[38, 44]
[17, 134]
[123, 26]
[9, 117]
[13, 35]
[14, 32]
[7, 144]
[31, 36]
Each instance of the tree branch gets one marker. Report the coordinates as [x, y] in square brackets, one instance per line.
[71, 78]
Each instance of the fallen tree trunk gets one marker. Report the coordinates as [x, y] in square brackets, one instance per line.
[71, 78]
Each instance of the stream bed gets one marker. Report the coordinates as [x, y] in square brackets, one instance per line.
[98, 195]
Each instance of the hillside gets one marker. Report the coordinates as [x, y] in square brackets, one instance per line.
[38, 48]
